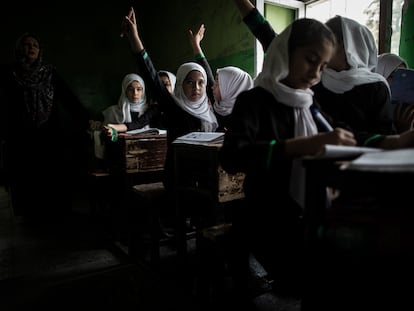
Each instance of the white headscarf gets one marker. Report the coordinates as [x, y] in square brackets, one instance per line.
[121, 113]
[276, 68]
[361, 55]
[201, 108]
[171, 77]
[388, 63]
[232, 81]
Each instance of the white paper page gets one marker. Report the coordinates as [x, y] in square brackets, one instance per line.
[201, 136]
[393, 160]
[335, 151]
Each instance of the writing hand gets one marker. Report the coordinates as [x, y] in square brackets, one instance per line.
[339, 136]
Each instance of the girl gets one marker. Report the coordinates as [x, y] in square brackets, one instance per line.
[271, 126]
[350, 91]
[187, 109]
[354, 97]
[132, 111]
[229, 81]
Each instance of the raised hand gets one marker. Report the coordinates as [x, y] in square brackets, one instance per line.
[195, 39]
[129, 29]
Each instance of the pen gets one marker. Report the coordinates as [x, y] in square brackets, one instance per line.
[317, 114]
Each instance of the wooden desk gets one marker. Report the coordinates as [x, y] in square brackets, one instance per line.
[366, 275]
[132, 160]
[202, 186]
[139, 153]
[138, 158]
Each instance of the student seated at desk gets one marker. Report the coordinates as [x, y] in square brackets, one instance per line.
[188, 109]
[353, 95]
[133, 110]
[342, 94]
[264, 141]
[228, 83]
[168, 79]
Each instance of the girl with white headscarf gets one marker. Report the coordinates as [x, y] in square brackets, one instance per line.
[170, 79]
[271, 126]
[132, 112]
[187, 109]
[230, 82]
[350, 91]
[199, 108]
[128, 105]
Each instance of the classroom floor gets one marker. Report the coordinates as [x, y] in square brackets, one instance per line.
[78, 264]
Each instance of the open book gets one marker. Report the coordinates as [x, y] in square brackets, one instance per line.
[335, 151]
[399, 160]
[201, 137]
[151, 130]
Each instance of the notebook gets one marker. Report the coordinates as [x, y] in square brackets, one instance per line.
[398, 160]
[201, 138]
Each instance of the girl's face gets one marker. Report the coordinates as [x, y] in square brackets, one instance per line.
[194, 85]
[134, 92]
[307, 63]
[167, 83]
[31, 49]
[216, 89]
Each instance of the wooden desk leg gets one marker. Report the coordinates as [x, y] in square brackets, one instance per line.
[314, 217]
[181, 238]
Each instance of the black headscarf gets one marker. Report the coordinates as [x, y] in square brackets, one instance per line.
[36, 80]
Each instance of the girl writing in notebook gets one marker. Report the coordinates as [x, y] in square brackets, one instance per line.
[272, 126]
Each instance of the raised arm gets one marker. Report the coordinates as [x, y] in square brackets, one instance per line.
[195, 42]
[256, 22]
[130, 30]
[195, 39]
[147, 69]
[244, 7]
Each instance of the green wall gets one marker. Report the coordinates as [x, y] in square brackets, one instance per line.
[279, 17]
[82, 39]
[227, 40]
[407, 34]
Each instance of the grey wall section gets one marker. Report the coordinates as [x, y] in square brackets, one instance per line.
[82, 39]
